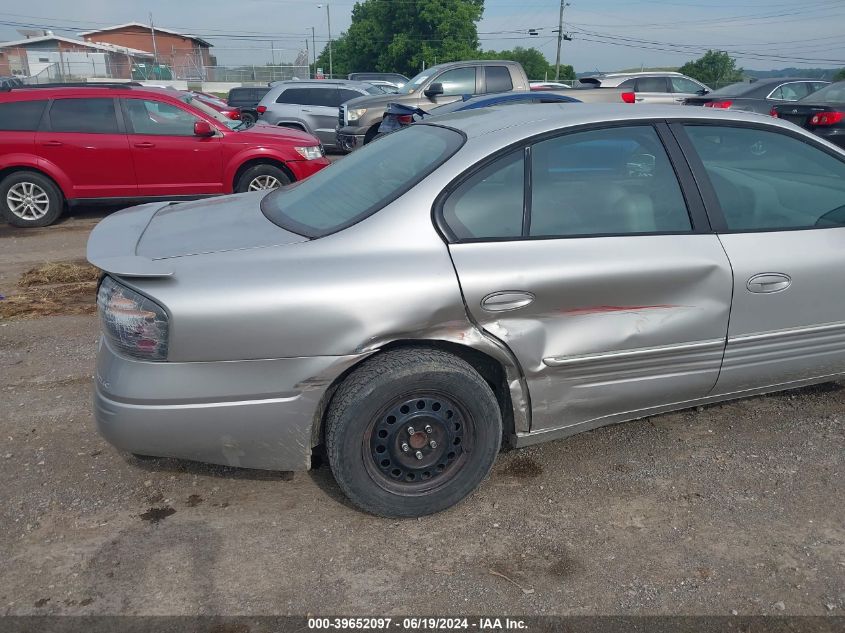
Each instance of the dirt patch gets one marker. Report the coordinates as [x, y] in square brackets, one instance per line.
[51, 289]
[193, 501]
[154, 515]
[523, 467]
[59, 273]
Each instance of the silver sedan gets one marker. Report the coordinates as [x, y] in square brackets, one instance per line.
[513, 274]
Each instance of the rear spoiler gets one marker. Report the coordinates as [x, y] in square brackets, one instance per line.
[111, 246]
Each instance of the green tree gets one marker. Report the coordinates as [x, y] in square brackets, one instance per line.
[391, 36]
[533, 61]
[840, 76]
[714, 67]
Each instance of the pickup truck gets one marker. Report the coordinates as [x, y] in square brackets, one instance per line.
[359, 118]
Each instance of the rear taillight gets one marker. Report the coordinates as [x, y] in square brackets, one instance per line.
[405, 119]
[133, 324]
[827, 118]
[773, 113]
[233, 114]
[722, 105]
[261, 109]
[628, 97]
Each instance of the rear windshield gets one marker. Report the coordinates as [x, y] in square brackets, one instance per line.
[735, 90]
[834, 93]
[363, 182]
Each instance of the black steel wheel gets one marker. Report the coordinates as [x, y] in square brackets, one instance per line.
[411, 432]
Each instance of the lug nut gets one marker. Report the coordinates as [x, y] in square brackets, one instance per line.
[411, 430]
[433, 444]
[428, 428]
[419, 455]
[405, 447]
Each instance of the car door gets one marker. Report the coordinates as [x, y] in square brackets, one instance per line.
[683, 89]
[321, 112]
[83, 137]
[169, 158]
[653, 90]
[778, 203]
[600, 277]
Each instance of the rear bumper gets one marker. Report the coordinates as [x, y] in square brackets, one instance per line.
[250, 414]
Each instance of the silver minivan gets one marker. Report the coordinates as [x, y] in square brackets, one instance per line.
[669, 88]
[311, 105]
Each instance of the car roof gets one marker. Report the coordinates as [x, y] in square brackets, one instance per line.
[321, 83]
[515, 122]
[32, 92]
[645, 73]
[477, 100]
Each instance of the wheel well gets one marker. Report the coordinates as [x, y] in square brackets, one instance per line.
[371, 133]
[11, 170]
[261, 161]
[488, 367]
[295, 126]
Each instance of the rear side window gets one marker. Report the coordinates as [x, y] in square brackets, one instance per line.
[628, 84]
[498, 79]
[766, 181]
[489, 204]
[651, 84]
[298, 96]
[89, 116]
[361, 183]
[20, 116]
[791, 92]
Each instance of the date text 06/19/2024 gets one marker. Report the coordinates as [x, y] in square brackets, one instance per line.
[416, 624]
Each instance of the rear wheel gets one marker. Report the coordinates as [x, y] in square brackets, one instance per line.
[262, 177]
[248, 118]
[28, 198]
[412, 432]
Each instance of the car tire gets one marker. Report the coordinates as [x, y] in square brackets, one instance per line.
[262, 177]
[383, 468]
[30, 199]
[248, 118]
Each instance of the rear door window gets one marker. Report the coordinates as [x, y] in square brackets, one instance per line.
[88, 116]
[299, 96]
[766, 181]
[652, 84]
[498, 79]
[21, 116]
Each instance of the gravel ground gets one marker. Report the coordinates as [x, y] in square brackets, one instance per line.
[731, 508]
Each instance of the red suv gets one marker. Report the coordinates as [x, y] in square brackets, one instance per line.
[116, 143]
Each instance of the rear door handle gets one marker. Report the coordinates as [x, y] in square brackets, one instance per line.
[52, 143]
[145, 145]
[304, 110]
[765, 283]
[505, 300]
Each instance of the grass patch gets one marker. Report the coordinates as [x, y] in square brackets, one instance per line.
[58, 273]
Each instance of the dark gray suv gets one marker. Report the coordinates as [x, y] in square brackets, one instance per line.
[311, 105]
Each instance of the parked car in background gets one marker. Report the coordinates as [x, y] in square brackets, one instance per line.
[216, 103]
[498, 99]
[821, 112]
[548, 85]
[430, 295]
[245, 100]
[386, 87]
[117, 143]
[394, 78]
[669, 88]
[358, 120]
[311, 105]
[758, 95]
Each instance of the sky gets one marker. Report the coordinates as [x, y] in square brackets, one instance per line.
[606, 34]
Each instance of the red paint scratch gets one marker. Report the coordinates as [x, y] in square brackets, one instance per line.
[605, 309]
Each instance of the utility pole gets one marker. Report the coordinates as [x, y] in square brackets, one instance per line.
[307, 57]
[153, 32]
[563, 3]
[329, 20]
[314, 42]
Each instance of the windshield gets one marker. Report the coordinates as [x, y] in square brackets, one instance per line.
[834, 93]
[206, 109]
[414, 84]
[363, 182]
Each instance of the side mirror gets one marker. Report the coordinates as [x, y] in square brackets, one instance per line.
[702, 91]
[434, 90]
[203, 128]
